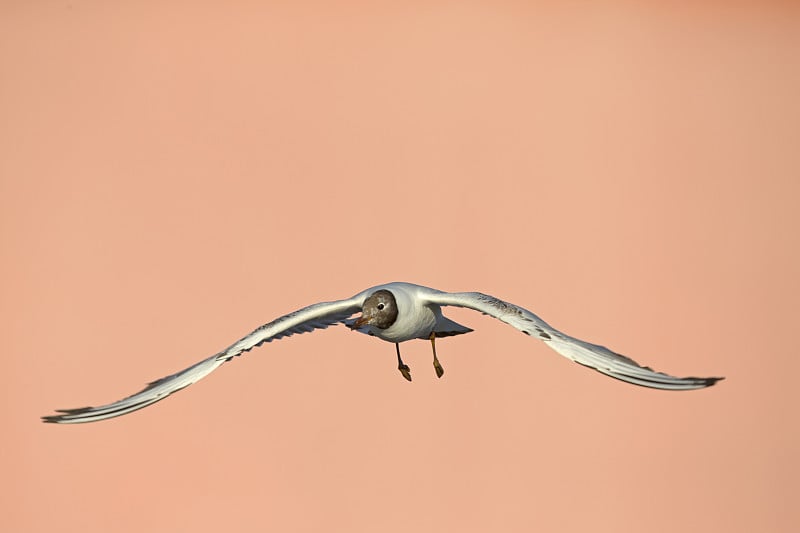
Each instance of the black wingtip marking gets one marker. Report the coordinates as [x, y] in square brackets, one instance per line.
[655, 382]
[63, 414]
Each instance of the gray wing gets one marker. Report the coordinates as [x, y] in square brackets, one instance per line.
[317, 316]
[591, 355]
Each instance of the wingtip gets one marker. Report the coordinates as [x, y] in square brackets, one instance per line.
[64, 415]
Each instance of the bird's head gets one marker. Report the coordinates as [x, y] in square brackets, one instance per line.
[379, 310]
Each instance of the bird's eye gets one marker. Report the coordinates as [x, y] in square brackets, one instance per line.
[380, 307]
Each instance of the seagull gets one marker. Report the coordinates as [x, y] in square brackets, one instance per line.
[394, 312]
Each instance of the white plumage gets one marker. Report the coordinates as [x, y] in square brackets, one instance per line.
[418, 315]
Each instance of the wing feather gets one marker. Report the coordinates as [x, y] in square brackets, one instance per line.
[317, 316]
[591, 355]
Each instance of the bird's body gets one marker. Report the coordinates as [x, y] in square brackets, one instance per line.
[417, 316]
[395, 312]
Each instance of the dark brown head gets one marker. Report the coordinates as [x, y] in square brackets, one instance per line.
[379, 310]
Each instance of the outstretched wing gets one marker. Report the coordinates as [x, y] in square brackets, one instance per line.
[317, 316]
[594, 356]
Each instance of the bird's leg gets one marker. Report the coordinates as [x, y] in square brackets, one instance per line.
[401, 366]
[436, 365]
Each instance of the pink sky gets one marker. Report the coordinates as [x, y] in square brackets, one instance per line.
[172, 177]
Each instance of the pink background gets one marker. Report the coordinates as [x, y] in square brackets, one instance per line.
[173, 176]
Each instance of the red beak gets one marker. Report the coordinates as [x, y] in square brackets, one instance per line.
[360, 321]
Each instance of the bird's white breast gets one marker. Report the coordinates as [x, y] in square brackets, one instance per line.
[414, 319]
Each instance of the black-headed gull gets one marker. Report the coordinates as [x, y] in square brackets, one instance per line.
[395, 312]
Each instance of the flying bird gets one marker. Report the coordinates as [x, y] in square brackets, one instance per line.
[395, 312]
